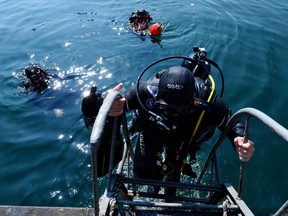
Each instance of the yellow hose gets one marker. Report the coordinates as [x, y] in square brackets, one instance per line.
[203, 111]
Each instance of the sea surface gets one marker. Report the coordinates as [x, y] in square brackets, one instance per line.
[45, 160]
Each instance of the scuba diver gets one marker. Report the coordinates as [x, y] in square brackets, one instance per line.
[37, 79]
[139, 23]
[175, 111]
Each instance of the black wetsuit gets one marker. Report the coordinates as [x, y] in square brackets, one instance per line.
[153, 140]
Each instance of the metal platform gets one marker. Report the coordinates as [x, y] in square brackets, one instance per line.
[44, 211]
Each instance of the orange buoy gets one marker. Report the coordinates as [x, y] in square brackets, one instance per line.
[155, 29]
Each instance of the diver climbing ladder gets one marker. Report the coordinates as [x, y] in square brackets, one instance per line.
[125, 195]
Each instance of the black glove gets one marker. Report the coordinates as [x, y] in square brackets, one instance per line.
[90, 106]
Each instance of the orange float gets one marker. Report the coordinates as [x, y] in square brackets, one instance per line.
[155, 29]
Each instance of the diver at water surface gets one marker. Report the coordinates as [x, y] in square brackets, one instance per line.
[140, 24]
[46, 89]
[37, 79]
[139, 20]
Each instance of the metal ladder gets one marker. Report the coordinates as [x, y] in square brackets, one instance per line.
[125, 195]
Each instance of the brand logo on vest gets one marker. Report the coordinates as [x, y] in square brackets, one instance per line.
[174, 86]
[150, 103]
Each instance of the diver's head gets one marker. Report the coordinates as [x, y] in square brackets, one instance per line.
[140, 18]
[31, 71]
[175, 91]
[35, 74]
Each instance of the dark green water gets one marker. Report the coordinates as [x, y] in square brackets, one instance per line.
[45, 160]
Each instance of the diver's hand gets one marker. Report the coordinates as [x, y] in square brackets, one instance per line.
[117, 107]
[245, 150]
[58, 112]
[142, 26]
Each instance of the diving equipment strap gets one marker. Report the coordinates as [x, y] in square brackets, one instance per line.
[203, 111]
[200, 118]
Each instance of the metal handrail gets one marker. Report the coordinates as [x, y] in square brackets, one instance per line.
[244, 113]
[95, 142]
[283, 210]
